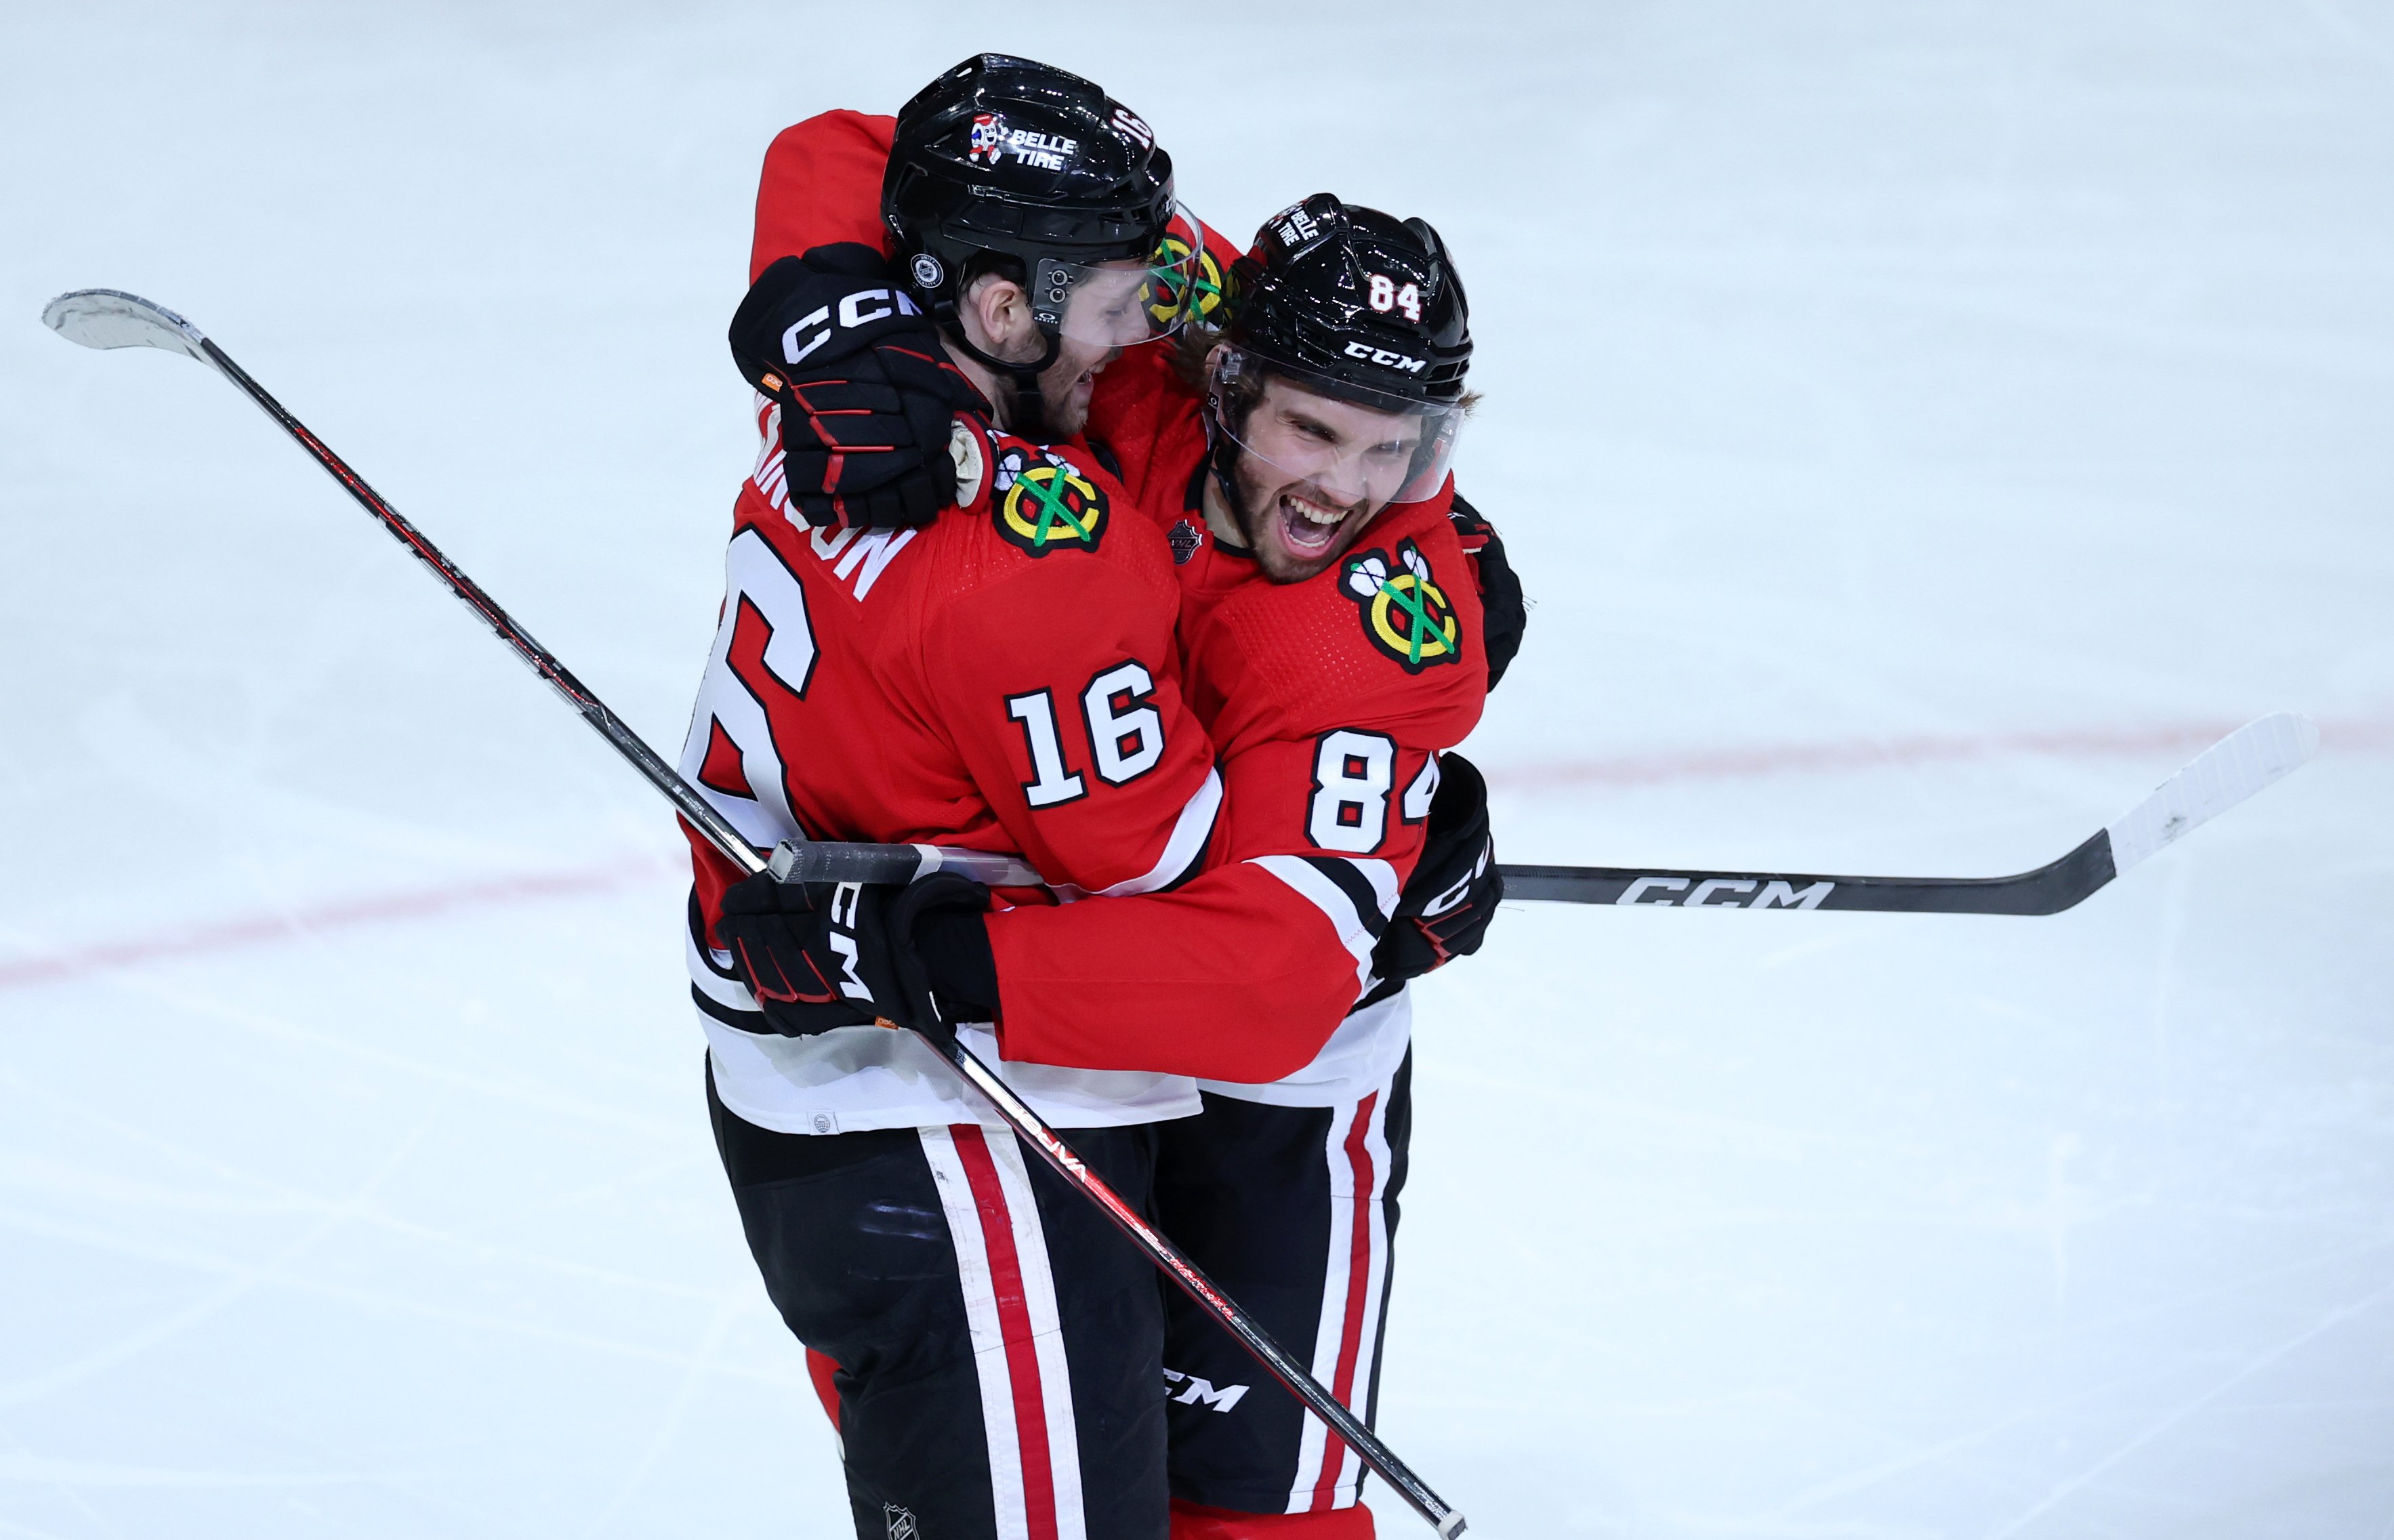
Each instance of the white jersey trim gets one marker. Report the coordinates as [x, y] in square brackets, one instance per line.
[1355, 932]
[856, 1078]
[1366, 1050]
[1192, 832]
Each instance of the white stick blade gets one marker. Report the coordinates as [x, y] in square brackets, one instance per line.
[110, 318]
[2231, 770]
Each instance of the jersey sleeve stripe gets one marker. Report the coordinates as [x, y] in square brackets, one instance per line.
[1337, 900]
[1184, 853]
[737, 1020]
[1373, 903]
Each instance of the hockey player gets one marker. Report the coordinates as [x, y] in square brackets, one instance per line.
[997, 1347]
[1329, 676]
[1326, 605]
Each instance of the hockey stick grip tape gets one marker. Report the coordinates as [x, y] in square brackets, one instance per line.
[834, 862]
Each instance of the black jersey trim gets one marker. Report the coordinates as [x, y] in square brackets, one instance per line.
[745, 1021]
[1357, 888]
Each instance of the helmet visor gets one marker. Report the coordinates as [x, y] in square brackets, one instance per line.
[1124, 303]
[1354, 444]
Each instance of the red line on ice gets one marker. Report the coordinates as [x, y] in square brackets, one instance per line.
[2360, 733]
[264, 929]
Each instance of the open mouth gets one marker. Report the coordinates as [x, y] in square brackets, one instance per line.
[1084, 384]
[1307, 527]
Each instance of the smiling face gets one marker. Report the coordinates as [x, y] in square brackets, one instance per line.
[998, 319]
[1313, 472]
[1108, 311]
[1066, 384]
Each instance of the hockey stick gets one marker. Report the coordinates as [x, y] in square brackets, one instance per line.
[109, 318]
[2260, 752]
[2266, 749]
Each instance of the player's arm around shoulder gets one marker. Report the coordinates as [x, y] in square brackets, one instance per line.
[1050, 659]
[822, 184]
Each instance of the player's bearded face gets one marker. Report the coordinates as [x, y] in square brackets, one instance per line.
[1066, 385]
[1108, 311]
[1312, 472]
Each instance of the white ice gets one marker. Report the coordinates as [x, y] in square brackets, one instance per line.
[1921, 426]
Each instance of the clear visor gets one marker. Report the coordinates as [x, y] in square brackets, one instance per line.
[1353, 444]
[1122, 304]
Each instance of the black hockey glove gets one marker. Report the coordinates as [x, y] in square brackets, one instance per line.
[1444, 911]
[1503, 611]
[825, 954]
[867, 394]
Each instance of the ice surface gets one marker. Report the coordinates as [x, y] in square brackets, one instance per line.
[1922, 428]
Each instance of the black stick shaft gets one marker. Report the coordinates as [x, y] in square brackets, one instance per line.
[663, 777]
[1209, 1297]
[2048, 890]
[735, 848]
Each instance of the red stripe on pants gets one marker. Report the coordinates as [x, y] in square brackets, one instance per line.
[1359, 1289]
[1014, 1327]
[819, 1368]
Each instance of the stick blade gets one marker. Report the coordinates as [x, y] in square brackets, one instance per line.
[110, 318]
[2264, 750]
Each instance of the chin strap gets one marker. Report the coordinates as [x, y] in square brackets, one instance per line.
[1222, 460]
[1026, 414]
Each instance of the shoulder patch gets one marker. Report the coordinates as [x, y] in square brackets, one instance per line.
[1045, 503]
[1405, 614]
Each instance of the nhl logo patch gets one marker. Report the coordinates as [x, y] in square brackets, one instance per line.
[1184, 538]
[1406, 614]
[901, 1522]
[1048, 506]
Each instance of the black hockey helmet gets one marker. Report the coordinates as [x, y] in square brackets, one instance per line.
[1356, 305]
[1355, 295]
[1011, 164]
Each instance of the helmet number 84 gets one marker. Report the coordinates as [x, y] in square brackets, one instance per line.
[1386, 297]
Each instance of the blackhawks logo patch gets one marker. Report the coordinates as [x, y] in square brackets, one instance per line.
[1405, 613]
[1186, 283]
[1047, 504]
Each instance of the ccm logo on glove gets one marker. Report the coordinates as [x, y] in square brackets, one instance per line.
[841, 938]
[853, 314]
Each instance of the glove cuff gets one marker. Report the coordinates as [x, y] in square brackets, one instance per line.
[968, 453]
[954, 947]
[941, 921]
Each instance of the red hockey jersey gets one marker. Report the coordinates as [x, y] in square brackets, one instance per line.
[1329, 738]
[918, 685]
[1329, 700]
